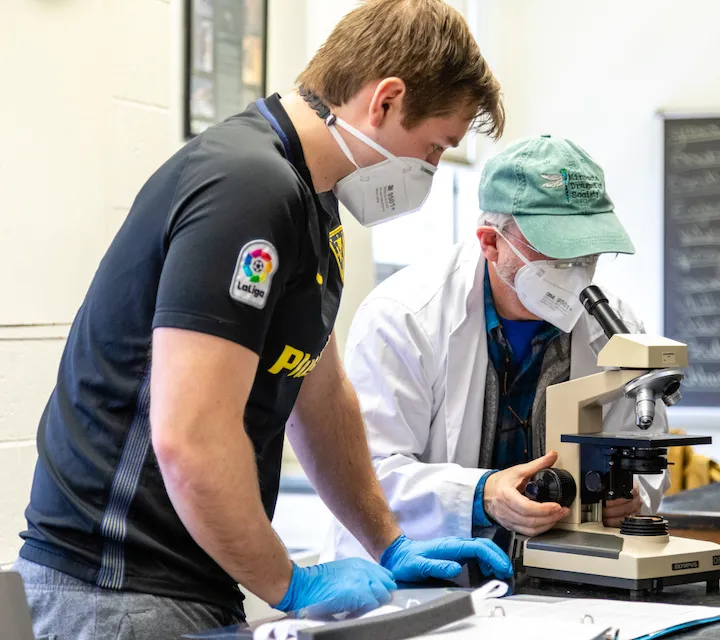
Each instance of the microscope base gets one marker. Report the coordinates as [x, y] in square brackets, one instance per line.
[595, 555]
[637, 588]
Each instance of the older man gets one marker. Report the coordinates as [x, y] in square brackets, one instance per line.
[451, 357]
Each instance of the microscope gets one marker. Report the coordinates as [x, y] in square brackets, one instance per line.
[593, 466]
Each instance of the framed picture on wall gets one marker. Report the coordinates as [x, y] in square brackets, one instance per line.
[225, 59]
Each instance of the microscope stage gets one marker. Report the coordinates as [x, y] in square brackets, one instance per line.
[636, 440]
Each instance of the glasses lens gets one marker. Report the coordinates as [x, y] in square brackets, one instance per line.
[583, 261]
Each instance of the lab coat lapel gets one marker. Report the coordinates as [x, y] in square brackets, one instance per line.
[467, 358]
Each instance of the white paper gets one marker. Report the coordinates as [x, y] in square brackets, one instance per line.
[637, 619]
[633, 619]
[570, 619]
[283, 629]
[484, 628]
[287, 629]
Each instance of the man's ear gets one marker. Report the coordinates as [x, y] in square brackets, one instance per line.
[387, 100]
[488, 238]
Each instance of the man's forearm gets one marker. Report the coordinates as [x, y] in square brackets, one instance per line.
[214, 489]
[328, 436]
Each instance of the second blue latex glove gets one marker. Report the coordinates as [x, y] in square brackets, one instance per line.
[352, 585]
[414, 560]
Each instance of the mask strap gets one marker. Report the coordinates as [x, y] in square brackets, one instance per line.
[517, 252]
[342, 144]
[331, 120]
[499, 275]
[360, 136]
[513, 248]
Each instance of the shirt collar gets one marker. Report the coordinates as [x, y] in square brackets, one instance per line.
[492, 321]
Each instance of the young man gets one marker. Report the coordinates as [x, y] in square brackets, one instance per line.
[451, 360]
[210, 319]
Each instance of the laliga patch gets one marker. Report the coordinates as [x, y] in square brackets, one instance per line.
[254, 271]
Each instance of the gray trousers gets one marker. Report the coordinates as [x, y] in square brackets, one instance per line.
[65, 608]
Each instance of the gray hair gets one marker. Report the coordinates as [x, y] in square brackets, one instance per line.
[500, 221]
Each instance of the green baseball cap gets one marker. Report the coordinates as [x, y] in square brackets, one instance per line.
[556, 193]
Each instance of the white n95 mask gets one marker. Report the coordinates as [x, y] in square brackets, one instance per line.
[382, 191]
[550, 289]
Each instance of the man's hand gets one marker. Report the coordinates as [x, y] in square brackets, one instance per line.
[414, 560]
[504, 502]
[615, 511]
[352, 585]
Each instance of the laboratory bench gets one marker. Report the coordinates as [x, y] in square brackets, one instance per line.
[693, 594]
[693, 514]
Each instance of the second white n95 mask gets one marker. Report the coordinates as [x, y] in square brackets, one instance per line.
[552, 293]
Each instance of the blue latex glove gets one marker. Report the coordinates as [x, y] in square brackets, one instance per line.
[351, 585]
[413, 560]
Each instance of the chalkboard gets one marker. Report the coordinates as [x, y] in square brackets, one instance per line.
[692, 251]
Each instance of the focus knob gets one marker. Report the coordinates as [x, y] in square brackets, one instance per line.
[552, 485]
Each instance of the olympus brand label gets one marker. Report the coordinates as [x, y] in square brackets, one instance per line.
[682, 566]
[668, 357]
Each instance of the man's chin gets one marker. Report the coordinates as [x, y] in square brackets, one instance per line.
[525, 314]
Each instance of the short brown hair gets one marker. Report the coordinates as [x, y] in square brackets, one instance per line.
[425, 43]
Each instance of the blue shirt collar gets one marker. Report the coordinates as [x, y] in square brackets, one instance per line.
[492, 320]
[491, 317]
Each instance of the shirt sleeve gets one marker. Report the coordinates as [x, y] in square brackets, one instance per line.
[232, 245]
[391, 363]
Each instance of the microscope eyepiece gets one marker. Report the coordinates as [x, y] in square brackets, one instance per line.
[596, 304]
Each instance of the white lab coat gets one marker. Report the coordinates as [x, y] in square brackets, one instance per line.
[417, 356]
